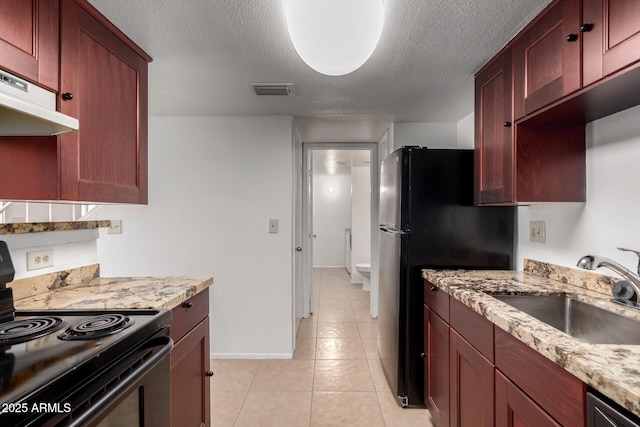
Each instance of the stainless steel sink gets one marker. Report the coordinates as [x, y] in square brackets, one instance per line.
[582, 321]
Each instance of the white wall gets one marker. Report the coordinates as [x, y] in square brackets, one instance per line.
[71, 249]
[360, 219]
[432, 135]
[465, 132]
[611, 215]
[331, 215]
[214, 184]
[609, 218]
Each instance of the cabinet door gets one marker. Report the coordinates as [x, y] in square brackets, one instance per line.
[29, 35]
[494, 132]
[106, 159]
[190, 402]
[613, 40]
[516, 409]
[560, 394]
[28, 168]
[437, 368]
[547, 57]
[471, 385]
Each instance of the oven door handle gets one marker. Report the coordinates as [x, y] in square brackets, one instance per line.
[98, 406]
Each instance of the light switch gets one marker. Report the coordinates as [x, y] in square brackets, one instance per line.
[537, 232]
[273, 226]
[116, 227]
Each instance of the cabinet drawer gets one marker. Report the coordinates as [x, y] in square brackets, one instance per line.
[190, 385]
[558, 392]
[437, 300]
[513, 405]
[188, 314]
[474, 328]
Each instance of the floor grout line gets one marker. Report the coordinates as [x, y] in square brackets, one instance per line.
[354, 304]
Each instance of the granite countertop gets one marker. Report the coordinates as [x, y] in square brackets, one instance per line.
[613, 370]
[39, 227]
[82, 289]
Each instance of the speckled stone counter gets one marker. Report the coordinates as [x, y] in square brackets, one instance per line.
[614, 370]
[39, 227]
[107, 293]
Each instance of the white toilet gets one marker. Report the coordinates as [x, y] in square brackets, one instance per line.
[365, 271]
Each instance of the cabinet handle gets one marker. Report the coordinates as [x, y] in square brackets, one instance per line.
[423, 355]
[585, 28]
[434, 288]
[507, 124]
[67, 96]
[209, 374]
[572, 37]
[187, 304]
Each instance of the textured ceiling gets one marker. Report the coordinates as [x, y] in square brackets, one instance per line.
[205, 51]
[339, 162]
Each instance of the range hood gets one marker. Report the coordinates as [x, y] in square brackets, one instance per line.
[29, 110]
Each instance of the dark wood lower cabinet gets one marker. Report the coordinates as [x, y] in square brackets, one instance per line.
[478, 375]
[190, 392]
[189, 381]
[471, 382]
[437, 368]
[516, 409]
[560, 394]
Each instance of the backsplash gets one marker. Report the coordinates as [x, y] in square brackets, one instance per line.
[38, 227]
[31, 286]
[70, 244]
[573, 276]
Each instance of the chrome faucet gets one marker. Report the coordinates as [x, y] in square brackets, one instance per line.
[592, 262]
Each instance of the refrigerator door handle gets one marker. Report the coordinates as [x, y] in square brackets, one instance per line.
[394, 232]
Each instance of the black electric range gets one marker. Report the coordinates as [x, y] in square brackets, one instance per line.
[83, 368]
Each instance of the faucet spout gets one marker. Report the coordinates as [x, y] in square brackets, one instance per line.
[592, 262]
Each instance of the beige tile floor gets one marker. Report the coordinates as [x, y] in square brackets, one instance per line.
[334, 378]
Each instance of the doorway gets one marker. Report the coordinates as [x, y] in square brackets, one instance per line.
[328, 162]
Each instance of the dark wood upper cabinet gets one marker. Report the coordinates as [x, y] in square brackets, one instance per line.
[106, 77]
[611, 37]
[101, 79]
[577, 61]
[28, 168]
[494, 161]
[522, 163]
[547, 58]
[29, 40]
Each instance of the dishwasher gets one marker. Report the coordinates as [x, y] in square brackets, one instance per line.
[602, 412]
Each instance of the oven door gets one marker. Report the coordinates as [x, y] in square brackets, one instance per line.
[138, 394]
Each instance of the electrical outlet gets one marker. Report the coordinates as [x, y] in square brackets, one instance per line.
[116, 227]
[273, 226]
[537, 232]
[39, 259]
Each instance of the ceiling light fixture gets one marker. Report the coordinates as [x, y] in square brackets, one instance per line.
[334, 37]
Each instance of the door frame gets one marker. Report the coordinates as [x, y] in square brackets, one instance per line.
[307, 217]
[297, 299]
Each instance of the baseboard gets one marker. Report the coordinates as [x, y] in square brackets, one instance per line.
[251, 355]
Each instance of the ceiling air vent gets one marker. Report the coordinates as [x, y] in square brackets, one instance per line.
[277, 89]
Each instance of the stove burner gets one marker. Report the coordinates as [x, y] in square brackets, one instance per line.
[96, 327]
[19, 331]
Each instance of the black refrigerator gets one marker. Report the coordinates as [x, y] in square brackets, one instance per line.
[427, 220]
